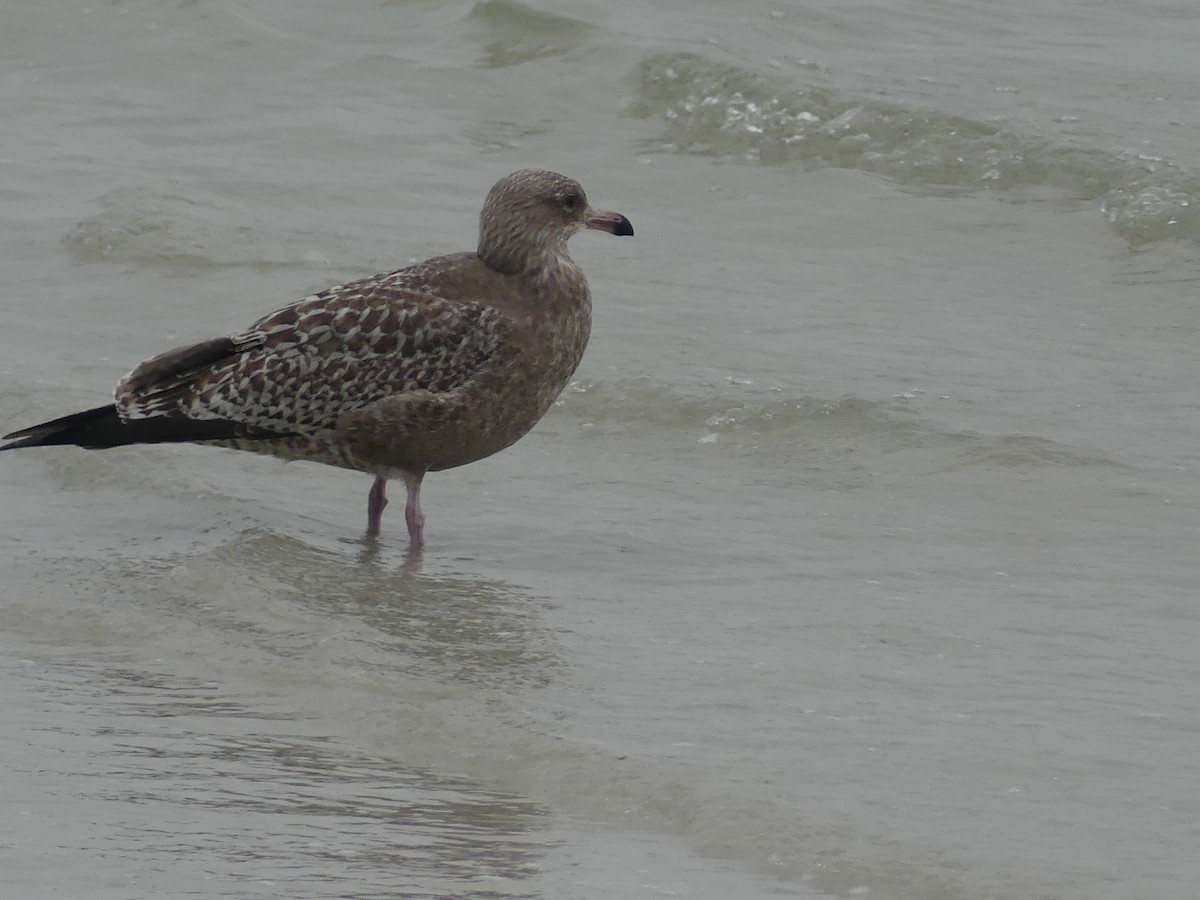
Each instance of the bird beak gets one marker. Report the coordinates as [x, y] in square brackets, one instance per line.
[603, 220]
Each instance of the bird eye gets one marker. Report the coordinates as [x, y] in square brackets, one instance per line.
[571, 202]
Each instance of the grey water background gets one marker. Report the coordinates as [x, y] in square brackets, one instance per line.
[860, 559]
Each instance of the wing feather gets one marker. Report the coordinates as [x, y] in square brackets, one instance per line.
[299, 368]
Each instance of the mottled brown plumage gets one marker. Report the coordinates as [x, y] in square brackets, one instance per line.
[422, 369]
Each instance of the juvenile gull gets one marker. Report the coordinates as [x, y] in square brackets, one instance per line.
[422, 369]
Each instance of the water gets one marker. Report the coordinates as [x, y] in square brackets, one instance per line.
[859, 560]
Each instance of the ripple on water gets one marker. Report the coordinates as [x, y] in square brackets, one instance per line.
[776, 427]
[714, 109]
[184, 228]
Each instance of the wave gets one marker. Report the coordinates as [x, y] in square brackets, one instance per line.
[184, 229]
[642, 404]
[715, 109]
[514, 33]
[777, 427]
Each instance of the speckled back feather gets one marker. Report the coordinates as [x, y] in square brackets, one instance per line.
[296, 370]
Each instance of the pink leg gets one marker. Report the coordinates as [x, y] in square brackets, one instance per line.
[376, 501]
[412, 511]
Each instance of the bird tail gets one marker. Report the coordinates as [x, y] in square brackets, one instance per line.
[93, 428]
[100, 428]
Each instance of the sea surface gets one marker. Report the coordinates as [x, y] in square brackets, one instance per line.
[861, 558]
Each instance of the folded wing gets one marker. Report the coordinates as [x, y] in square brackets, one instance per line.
[295, 371]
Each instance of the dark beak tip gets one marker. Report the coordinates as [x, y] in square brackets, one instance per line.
[613, 223]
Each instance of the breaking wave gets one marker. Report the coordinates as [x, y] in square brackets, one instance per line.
[714, 109]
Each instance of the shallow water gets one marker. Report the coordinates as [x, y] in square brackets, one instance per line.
[859, 559]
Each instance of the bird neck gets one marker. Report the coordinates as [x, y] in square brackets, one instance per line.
[541, 262]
